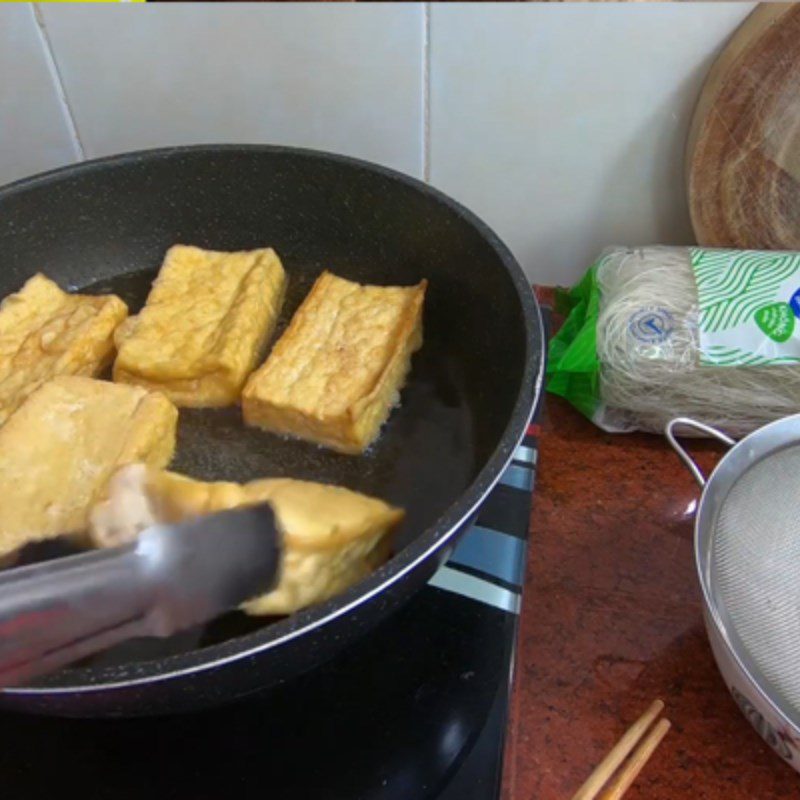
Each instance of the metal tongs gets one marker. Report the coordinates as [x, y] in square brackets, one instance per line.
[171, 578]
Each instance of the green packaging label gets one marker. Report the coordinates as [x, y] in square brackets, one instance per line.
[749, 304]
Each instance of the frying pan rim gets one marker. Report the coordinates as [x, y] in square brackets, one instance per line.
[432, 539]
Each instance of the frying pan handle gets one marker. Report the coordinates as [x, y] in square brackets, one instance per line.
[686, 422]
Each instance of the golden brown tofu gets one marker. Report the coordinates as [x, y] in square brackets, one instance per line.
[45, 332]
[60, 447]
[335, 374]
[204, 326]
[332, 537]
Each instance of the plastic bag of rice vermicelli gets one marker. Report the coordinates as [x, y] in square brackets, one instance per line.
[653, 333]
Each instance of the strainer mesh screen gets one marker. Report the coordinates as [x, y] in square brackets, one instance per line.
[755, 568]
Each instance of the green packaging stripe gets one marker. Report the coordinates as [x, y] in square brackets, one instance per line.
[573, 371]
[749, 305]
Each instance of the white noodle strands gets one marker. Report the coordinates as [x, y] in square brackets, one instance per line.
[644, 384]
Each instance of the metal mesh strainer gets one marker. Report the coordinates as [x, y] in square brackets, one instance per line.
[755, 568]
[748, 554]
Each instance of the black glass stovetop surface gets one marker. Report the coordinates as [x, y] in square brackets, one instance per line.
[415, 710]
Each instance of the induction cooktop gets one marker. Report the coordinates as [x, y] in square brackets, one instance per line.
[415, 710]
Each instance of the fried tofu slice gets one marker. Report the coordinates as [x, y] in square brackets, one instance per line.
[335, 374]
[204, 326]
[45, 332]
[332, 537]
[61, 446]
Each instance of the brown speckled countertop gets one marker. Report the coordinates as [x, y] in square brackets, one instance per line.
[611, 620]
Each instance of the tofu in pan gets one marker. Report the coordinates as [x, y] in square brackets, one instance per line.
[204, 326]
[61, 446]
[332, 537]
[335, 374]
[46, 332]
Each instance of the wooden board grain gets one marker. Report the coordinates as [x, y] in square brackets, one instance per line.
[743, 151]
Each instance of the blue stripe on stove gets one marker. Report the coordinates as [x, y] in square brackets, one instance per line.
[508, 510]
[452, 580]
[525, 453]
[493, 553]
[518, 477]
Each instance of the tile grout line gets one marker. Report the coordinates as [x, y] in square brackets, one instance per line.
[426, 94]
[55, 74]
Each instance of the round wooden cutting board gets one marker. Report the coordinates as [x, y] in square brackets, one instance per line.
[743, 152]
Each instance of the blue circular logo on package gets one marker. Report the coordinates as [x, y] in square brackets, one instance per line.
[651, 325]
[794, 302]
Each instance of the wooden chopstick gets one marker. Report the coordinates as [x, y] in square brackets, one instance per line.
[606, 768]
[627, 775]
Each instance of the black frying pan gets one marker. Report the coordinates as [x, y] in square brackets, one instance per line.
[105, 225]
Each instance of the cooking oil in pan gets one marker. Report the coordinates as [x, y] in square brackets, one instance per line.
[423, 460]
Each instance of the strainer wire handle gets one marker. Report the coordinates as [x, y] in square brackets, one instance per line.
[687, 422]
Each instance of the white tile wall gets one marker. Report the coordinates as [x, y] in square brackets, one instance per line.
[34, 132]
[562, 125]
[336, 77]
